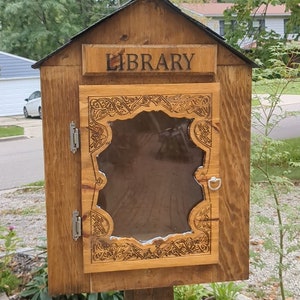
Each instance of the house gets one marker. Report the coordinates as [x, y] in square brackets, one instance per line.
[17, 81]
[271, 17]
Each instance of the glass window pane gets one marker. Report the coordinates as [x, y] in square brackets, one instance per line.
[150, 167]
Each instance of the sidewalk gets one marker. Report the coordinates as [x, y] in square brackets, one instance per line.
[32, 126]
[285, 99]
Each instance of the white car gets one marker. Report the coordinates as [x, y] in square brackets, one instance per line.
[33, 107]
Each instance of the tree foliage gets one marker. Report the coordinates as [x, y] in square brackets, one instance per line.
[35, 28]
[241, 16]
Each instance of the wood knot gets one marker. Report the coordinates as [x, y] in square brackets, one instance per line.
[124, 37]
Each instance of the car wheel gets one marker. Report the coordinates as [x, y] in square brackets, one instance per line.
[40, 112]
[25, 112]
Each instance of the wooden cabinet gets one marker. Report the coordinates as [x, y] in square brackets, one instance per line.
[146, 126]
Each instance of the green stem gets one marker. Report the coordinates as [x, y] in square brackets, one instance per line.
[281, 236]
[280, 231]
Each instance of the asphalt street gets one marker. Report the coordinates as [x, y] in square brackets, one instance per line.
[289, 127]
[21, 159]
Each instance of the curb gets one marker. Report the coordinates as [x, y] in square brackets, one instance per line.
[13, 138]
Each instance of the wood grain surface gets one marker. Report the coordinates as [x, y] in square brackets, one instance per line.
[61, 76]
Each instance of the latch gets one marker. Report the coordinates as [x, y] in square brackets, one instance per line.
[214, 183]
[74, 137]
[76, 225]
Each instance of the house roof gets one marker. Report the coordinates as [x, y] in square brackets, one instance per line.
[209, 31]
[13, 66]
[217, 9]
[207, 9]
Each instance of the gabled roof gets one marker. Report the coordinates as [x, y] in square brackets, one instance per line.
[13, 66]
[209, 31]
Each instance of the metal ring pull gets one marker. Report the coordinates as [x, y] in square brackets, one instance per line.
[214, 183]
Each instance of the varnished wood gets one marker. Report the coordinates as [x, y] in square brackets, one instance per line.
[105, 59]
[99, 106]
[61, 76]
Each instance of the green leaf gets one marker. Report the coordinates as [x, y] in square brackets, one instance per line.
[93, 296]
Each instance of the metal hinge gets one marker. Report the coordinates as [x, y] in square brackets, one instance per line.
[74, 137]
[76, 225]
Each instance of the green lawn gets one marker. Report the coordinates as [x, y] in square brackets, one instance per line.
[12, 130]
[268, 86]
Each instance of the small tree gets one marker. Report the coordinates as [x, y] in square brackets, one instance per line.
[265, 153]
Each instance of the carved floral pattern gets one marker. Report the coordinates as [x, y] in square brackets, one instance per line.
[106, 248]
[100, 224]
[101, 107]
[203, 132]
[98, 136]
[202, 219]
[126, 250]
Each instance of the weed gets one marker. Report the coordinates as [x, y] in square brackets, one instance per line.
[37, 289]
[225, 291]
[190, 292]
[8, 244]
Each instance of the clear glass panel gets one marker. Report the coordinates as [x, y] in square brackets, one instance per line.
[150, 167]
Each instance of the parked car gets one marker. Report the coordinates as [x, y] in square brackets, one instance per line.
[33, 107]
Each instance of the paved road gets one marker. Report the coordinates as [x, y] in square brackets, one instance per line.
[21, 160]
[290, 126]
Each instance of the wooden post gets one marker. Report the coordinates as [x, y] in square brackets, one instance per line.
[150, 294]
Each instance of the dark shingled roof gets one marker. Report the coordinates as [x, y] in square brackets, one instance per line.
[209, 31]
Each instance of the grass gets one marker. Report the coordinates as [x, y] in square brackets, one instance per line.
[286, 168]
[28, 211]
[265, 86]
[39, 183]
[11, 130]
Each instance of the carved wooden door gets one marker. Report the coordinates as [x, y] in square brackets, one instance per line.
[150, 175]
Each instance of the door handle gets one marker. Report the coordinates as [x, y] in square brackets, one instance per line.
[214, 183]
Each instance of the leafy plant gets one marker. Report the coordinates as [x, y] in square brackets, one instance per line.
[225, 291]
[190, 292]
[8, 243]
[37, 289]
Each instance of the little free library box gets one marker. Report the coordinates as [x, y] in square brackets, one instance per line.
[146, 123]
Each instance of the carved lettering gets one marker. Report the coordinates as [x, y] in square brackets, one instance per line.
[188, 60]
[109, 62]
[162, 63]
[176, 62]
[132, 62]
[146, 62]
[152, 59]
